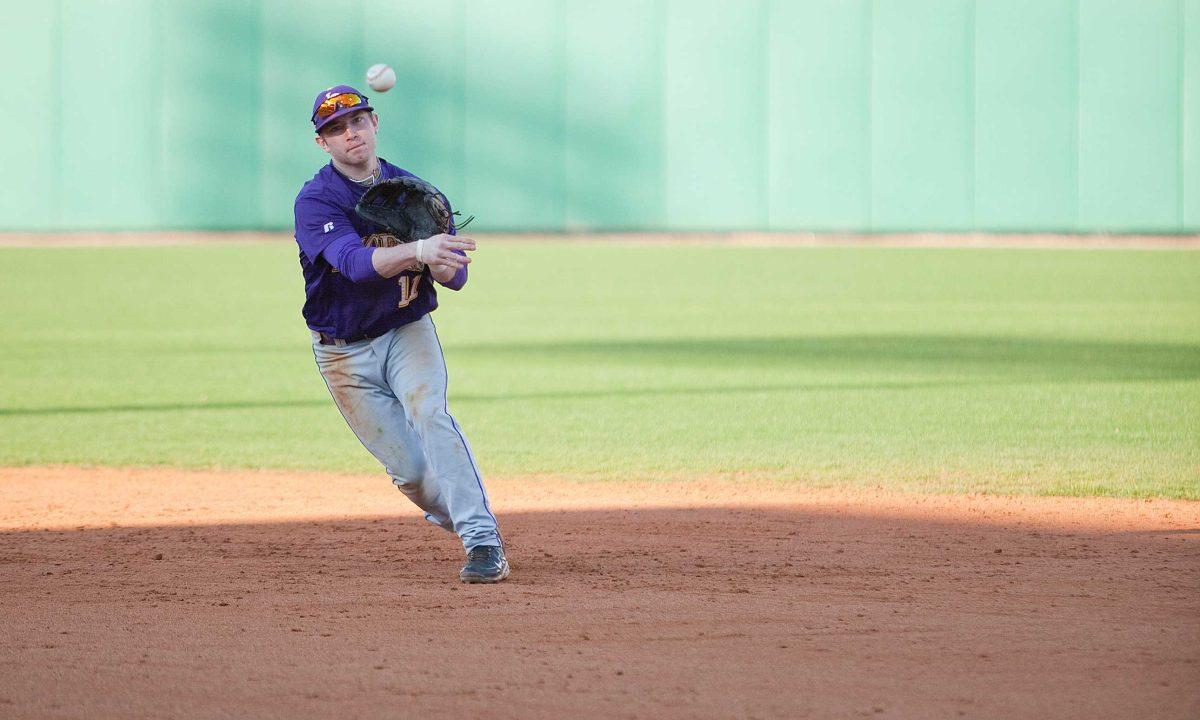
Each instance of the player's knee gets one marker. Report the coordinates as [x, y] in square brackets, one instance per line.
[437, 425]
[424, 402]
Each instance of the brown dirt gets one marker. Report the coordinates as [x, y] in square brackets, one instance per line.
[161, 593]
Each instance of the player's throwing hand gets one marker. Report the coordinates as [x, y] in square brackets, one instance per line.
[444, 249]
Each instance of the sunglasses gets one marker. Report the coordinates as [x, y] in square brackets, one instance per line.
[338, 102]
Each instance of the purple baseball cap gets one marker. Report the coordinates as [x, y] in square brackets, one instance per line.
[333, 98]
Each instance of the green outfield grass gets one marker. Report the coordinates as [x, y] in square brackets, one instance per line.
[1032, 371]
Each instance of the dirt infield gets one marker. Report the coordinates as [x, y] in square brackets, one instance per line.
[161, 593]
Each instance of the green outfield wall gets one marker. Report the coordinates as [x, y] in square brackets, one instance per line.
[892, 115]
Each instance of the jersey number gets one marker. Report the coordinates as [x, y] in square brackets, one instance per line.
[408, 289]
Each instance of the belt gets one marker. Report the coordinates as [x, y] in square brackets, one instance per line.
[327, 339]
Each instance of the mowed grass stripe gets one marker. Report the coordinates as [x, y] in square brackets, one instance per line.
[984, 370]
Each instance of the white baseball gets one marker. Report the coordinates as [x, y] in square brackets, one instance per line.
[381, 77]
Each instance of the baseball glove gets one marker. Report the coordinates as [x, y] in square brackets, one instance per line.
[409, 207]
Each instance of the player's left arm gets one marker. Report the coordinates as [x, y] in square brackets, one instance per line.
[449, 276]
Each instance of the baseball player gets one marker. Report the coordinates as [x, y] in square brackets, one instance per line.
[368, 300]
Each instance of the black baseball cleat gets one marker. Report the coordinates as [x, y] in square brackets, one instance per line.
[485, 564]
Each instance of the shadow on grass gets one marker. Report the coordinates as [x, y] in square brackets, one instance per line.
[163, 407]
[1015, 358]
[456, 398]
[945, 361]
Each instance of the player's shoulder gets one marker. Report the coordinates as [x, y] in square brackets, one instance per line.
[322, 185]
[391, 171]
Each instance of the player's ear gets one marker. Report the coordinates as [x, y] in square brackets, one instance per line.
[375, 119]
[321, 143]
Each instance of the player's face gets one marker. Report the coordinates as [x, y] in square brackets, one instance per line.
[351, 138]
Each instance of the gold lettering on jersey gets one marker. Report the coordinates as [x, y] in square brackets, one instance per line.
[408, 289]
[381, 240]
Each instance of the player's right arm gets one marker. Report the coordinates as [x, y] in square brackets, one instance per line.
[363, 264]
[324, 231]
[436, 250]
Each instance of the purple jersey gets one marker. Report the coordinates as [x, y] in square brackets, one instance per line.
[334, 304]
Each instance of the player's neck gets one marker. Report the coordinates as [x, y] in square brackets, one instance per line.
[359, 172]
